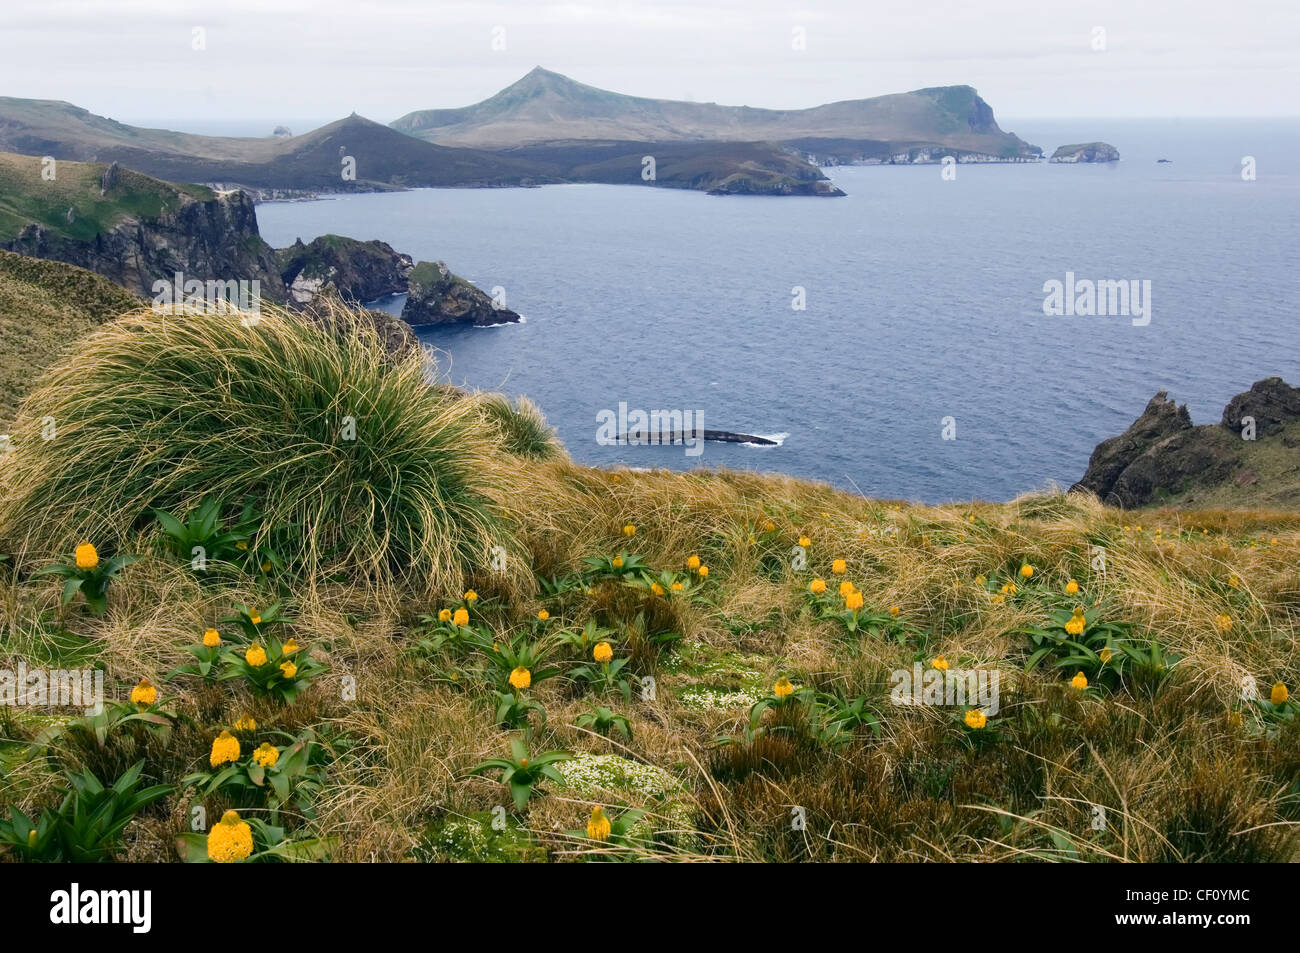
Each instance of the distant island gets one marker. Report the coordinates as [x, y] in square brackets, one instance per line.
[1086, 152]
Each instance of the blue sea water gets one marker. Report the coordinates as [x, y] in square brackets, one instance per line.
[924, 301]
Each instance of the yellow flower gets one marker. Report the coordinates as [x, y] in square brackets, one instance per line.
[1105, 655]
[1000, 599]
[782, 688]
[86, 555]
[1076, 624]
[1223, 622]
[246, 723]
[254, 617]
[617, 562]
[289, 669]
[460, 617]
[1279, 694]
[1026, 570]
[1234, 582]
[598, 826]
[768, 526]
[629, 530]
[255, 656]
[521, 678]
[211, 638]
[839, 567]
[230, 839]
[543, 615]
[704, 572]
[144, 693]
[894, 610]
[444, 615]
[225, 747]
[853, 601]
[1080, 681]
[693, 563]
[31, 837]
[677, 587]
[471, 596]
[1071, 588]
[975, 718]
[805, 542]
[940, 663]
[845, 588]
[242, 545]
[817, 586]
[981, 580]
[266, 755]
[657, 589]
[289, 647]
[602, 652]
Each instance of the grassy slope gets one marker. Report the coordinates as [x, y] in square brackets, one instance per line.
[1177, 780]
[44, 307]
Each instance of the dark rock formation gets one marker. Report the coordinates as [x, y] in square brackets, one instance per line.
[359, 271]
[1272, 402]
[436, 296]
[1162, 454]
[212, 239]
[1086, 152]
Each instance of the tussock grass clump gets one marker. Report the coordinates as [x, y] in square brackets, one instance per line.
[520, 428]
[341, 446]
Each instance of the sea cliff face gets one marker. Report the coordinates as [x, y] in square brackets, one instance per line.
[214, 239]
[438, 297]
[359, 271]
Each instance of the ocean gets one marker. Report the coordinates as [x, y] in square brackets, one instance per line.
[922, 364]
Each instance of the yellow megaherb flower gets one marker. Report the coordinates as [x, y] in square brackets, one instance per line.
[657, 589]
[617, 562]
[471, 596]
[692, 562]
[1234, 582]
[144, 693]
[629, 530]
[460, 617]
[444, 615]
[1080, 681]
[543, 615]
[254, 617]
[246, 723]
[230, 839]
[939, 664]
[853, 601]
[289, 669]
[1105, 655]
[782, 688]
[602, 652]
[266, 754]
[1071, 588]
[768, 526]
[212, 638]
[846, 587]
[521, 678]
[1279, 694]
[225, 747]
[1223, 622]
[1026, 570]
[677, 587]
[805, 542]
[817, 586]
[839, 567]
[86, 555]
[704, 572]
[255, 656]
[975, 718]
[1076, 624]
[598, 827]
[894, 611]
[289, 647]
[981, 580]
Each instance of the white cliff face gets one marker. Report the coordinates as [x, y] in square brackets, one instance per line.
[305, 289]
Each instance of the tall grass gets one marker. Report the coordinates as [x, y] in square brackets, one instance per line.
[371, 471]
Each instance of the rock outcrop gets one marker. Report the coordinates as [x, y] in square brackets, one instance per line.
[1086, 152]
[1163, 455]
[359, 271]
[437, 297]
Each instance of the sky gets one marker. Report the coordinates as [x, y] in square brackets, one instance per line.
[264, 62]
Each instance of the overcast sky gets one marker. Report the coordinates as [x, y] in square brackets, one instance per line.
[290, 60]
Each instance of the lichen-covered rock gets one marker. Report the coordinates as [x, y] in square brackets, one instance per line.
[359, 271]
[1271, 402]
